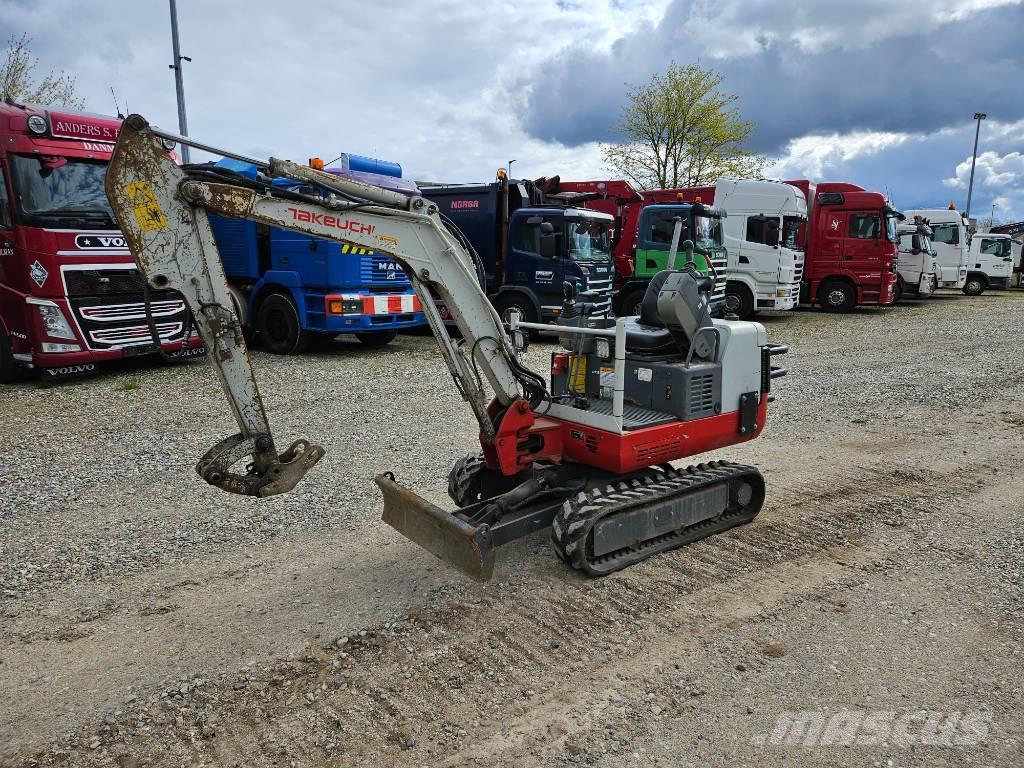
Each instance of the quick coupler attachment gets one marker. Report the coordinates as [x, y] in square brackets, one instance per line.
[279, 473]
[460, 544]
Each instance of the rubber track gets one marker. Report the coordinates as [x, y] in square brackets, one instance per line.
[572, 526]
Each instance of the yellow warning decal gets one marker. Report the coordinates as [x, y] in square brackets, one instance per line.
[146, 208]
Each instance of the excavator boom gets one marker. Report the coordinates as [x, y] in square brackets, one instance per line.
[162, 210]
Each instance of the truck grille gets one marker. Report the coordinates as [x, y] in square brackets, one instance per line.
[381, 269]
[721, 265]
[114, 321]
[603, 287]
[102, 282]
[136, 334]
[798, 269]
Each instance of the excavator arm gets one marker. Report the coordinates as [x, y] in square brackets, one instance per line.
[162, 209]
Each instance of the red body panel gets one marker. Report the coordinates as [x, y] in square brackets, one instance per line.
[35, 261]
[830, 252]
[562, 440]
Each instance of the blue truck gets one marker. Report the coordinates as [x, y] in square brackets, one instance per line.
[528, 246]
[290, 289]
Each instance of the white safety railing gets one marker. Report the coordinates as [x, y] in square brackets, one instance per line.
[618, 333]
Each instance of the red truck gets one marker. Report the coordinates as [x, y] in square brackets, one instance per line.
[70, 294]
[850, 246]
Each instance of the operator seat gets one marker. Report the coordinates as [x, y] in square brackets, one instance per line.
[647, 334]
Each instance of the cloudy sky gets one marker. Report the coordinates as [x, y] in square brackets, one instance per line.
[876, 92]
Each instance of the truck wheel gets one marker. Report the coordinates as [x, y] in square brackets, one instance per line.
[377, 338]
[518, 302]
[837, 296]
[975, 285]
[10, 370]
[632, 302]
[277, 322]
[899, 290]
[739, 301]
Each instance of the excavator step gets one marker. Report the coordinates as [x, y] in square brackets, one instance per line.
[606, 529]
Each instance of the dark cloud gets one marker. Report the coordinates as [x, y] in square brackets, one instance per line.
[867, 69]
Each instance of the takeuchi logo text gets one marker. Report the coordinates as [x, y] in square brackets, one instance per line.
[326, 220]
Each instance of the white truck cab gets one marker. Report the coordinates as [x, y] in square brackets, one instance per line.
[990, 264]
[949, 239]
[917, 265]
[760, 235]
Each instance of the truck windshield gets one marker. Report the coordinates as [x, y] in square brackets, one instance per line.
[707, 232]
[945, 233]
[60, 189]
[791, 231]
[589, 239]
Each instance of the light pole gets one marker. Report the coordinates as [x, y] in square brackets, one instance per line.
[178, 83]
[509, 168]
[979, 116]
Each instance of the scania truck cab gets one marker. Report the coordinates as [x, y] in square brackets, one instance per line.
[989, 264]
[290, 289]
[70, 294]
[762, 233]
[529, 249]
[850, 246]
[917, 267]
[949, 239]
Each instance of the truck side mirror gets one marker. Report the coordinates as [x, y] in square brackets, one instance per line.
[548, 243]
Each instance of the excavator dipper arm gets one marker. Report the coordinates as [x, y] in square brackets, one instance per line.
[162, 212]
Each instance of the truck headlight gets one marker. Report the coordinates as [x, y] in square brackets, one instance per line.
[37, 124]
[54, 322]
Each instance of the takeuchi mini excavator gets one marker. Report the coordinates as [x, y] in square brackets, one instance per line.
[586, 457]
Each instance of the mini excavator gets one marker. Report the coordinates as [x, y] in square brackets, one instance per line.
[585, 454]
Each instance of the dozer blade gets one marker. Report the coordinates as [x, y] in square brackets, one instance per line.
[466, 547]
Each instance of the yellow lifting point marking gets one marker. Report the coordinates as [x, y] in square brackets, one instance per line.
[146, 208]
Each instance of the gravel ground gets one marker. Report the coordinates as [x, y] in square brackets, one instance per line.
[148, 619]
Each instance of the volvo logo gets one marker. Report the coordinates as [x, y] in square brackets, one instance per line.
[100, 241]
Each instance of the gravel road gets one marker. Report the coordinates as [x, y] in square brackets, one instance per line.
[147, 619]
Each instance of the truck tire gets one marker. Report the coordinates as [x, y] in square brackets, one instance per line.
[278, 324]
[377, 338]
[898, 294]
[632, 302]
[975, 285]
[837, 296]
[505, 304]
[739, 300]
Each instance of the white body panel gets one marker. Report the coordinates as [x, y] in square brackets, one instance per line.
[772, 273]
[949, 239]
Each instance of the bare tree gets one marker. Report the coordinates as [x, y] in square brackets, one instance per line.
[18, 83]
[680, 130]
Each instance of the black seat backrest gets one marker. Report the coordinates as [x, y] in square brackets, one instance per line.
[649, 307]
